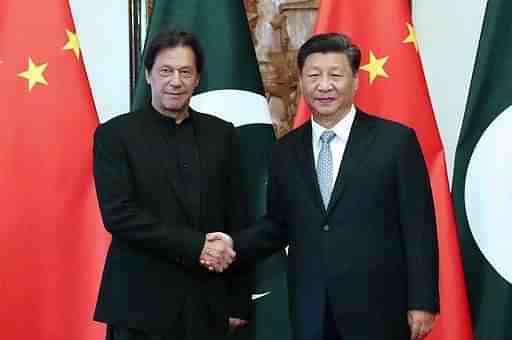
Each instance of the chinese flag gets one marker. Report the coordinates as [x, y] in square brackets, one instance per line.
[392, 85]
[52, 243]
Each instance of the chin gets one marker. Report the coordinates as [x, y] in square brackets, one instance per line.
[174, 108]
[326, 114]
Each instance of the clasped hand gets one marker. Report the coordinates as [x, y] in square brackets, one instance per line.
[420, 323]
[218, 253]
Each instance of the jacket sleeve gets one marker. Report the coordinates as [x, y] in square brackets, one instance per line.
[417, 219]
[236, 216]
[269, 233]
[124, 218]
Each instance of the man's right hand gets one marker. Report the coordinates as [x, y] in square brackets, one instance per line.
[217, 254]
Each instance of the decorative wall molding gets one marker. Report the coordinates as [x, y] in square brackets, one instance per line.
[285, 25]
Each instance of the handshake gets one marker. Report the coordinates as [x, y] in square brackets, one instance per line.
[217, 254]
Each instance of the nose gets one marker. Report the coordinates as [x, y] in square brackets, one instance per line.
[324, 83]
[175, 79]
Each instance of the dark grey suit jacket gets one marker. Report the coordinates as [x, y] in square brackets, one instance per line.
[152, 278]
[372, 254]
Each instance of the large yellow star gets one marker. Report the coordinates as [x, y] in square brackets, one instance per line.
[73, 43]
[411, 38]
[34, 74]
[375, 67]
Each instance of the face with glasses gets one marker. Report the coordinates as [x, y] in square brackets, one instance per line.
[328, 86]
[172, 79]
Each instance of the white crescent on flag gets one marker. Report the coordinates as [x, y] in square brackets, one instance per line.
[488, 194]
[227, 105]
[255, 297]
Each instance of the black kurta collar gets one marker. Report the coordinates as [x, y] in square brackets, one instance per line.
[169, 120]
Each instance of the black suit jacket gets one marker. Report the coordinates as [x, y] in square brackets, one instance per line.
[372, 253]
[152, 278]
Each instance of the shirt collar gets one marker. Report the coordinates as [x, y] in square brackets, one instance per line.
[169, 120]
[341, 129]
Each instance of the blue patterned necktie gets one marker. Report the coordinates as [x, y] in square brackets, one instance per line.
[324, 167]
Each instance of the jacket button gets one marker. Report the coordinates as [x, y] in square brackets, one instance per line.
[326, 227]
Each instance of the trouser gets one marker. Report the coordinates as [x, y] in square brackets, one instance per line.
[121, 333]
[330, 331]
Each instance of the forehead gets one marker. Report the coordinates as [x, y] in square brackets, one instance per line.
[179, 56]
[327, 60]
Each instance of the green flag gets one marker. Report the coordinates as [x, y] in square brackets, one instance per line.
[483, 178]
[231, 88]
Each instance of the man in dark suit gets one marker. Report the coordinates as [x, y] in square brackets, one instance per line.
[350, 194]
[165, 177]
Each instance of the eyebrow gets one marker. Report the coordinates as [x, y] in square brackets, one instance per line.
[178, 67]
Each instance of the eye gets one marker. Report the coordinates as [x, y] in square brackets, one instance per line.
[165, 71]
[186, 73]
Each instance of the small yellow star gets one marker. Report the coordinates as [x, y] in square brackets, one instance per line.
[73, 43]
[375, 67]
[34, 74]
[411, 38]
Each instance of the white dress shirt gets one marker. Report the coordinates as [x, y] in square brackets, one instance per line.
[338, 144]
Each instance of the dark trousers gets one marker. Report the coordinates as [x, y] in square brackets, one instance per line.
[330, 330]
[120, 333]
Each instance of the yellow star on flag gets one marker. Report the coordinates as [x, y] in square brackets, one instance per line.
[34, 74]
[376, 67]
[73, 43]
[411, 38]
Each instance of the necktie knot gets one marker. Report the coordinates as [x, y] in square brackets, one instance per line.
[327, 136]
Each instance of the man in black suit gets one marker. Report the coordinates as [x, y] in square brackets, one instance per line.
[165, 177]
[350, 194]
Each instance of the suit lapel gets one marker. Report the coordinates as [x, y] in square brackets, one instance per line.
[304, 151]
[360, 138]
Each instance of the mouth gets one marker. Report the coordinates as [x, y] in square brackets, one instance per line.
[172, 94]
[325, 100]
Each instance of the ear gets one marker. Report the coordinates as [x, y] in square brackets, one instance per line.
[146, 73]
[299, 77]
[198, 78]
[356, 81]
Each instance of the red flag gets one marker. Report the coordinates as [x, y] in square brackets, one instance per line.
[392, 85]
[52, 243]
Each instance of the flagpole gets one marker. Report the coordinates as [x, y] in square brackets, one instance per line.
[134, 23]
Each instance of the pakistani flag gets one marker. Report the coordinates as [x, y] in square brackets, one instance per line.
[231, 88]
[483, 178]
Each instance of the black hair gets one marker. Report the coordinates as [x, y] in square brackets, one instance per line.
[330, 42]
[169, 39]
